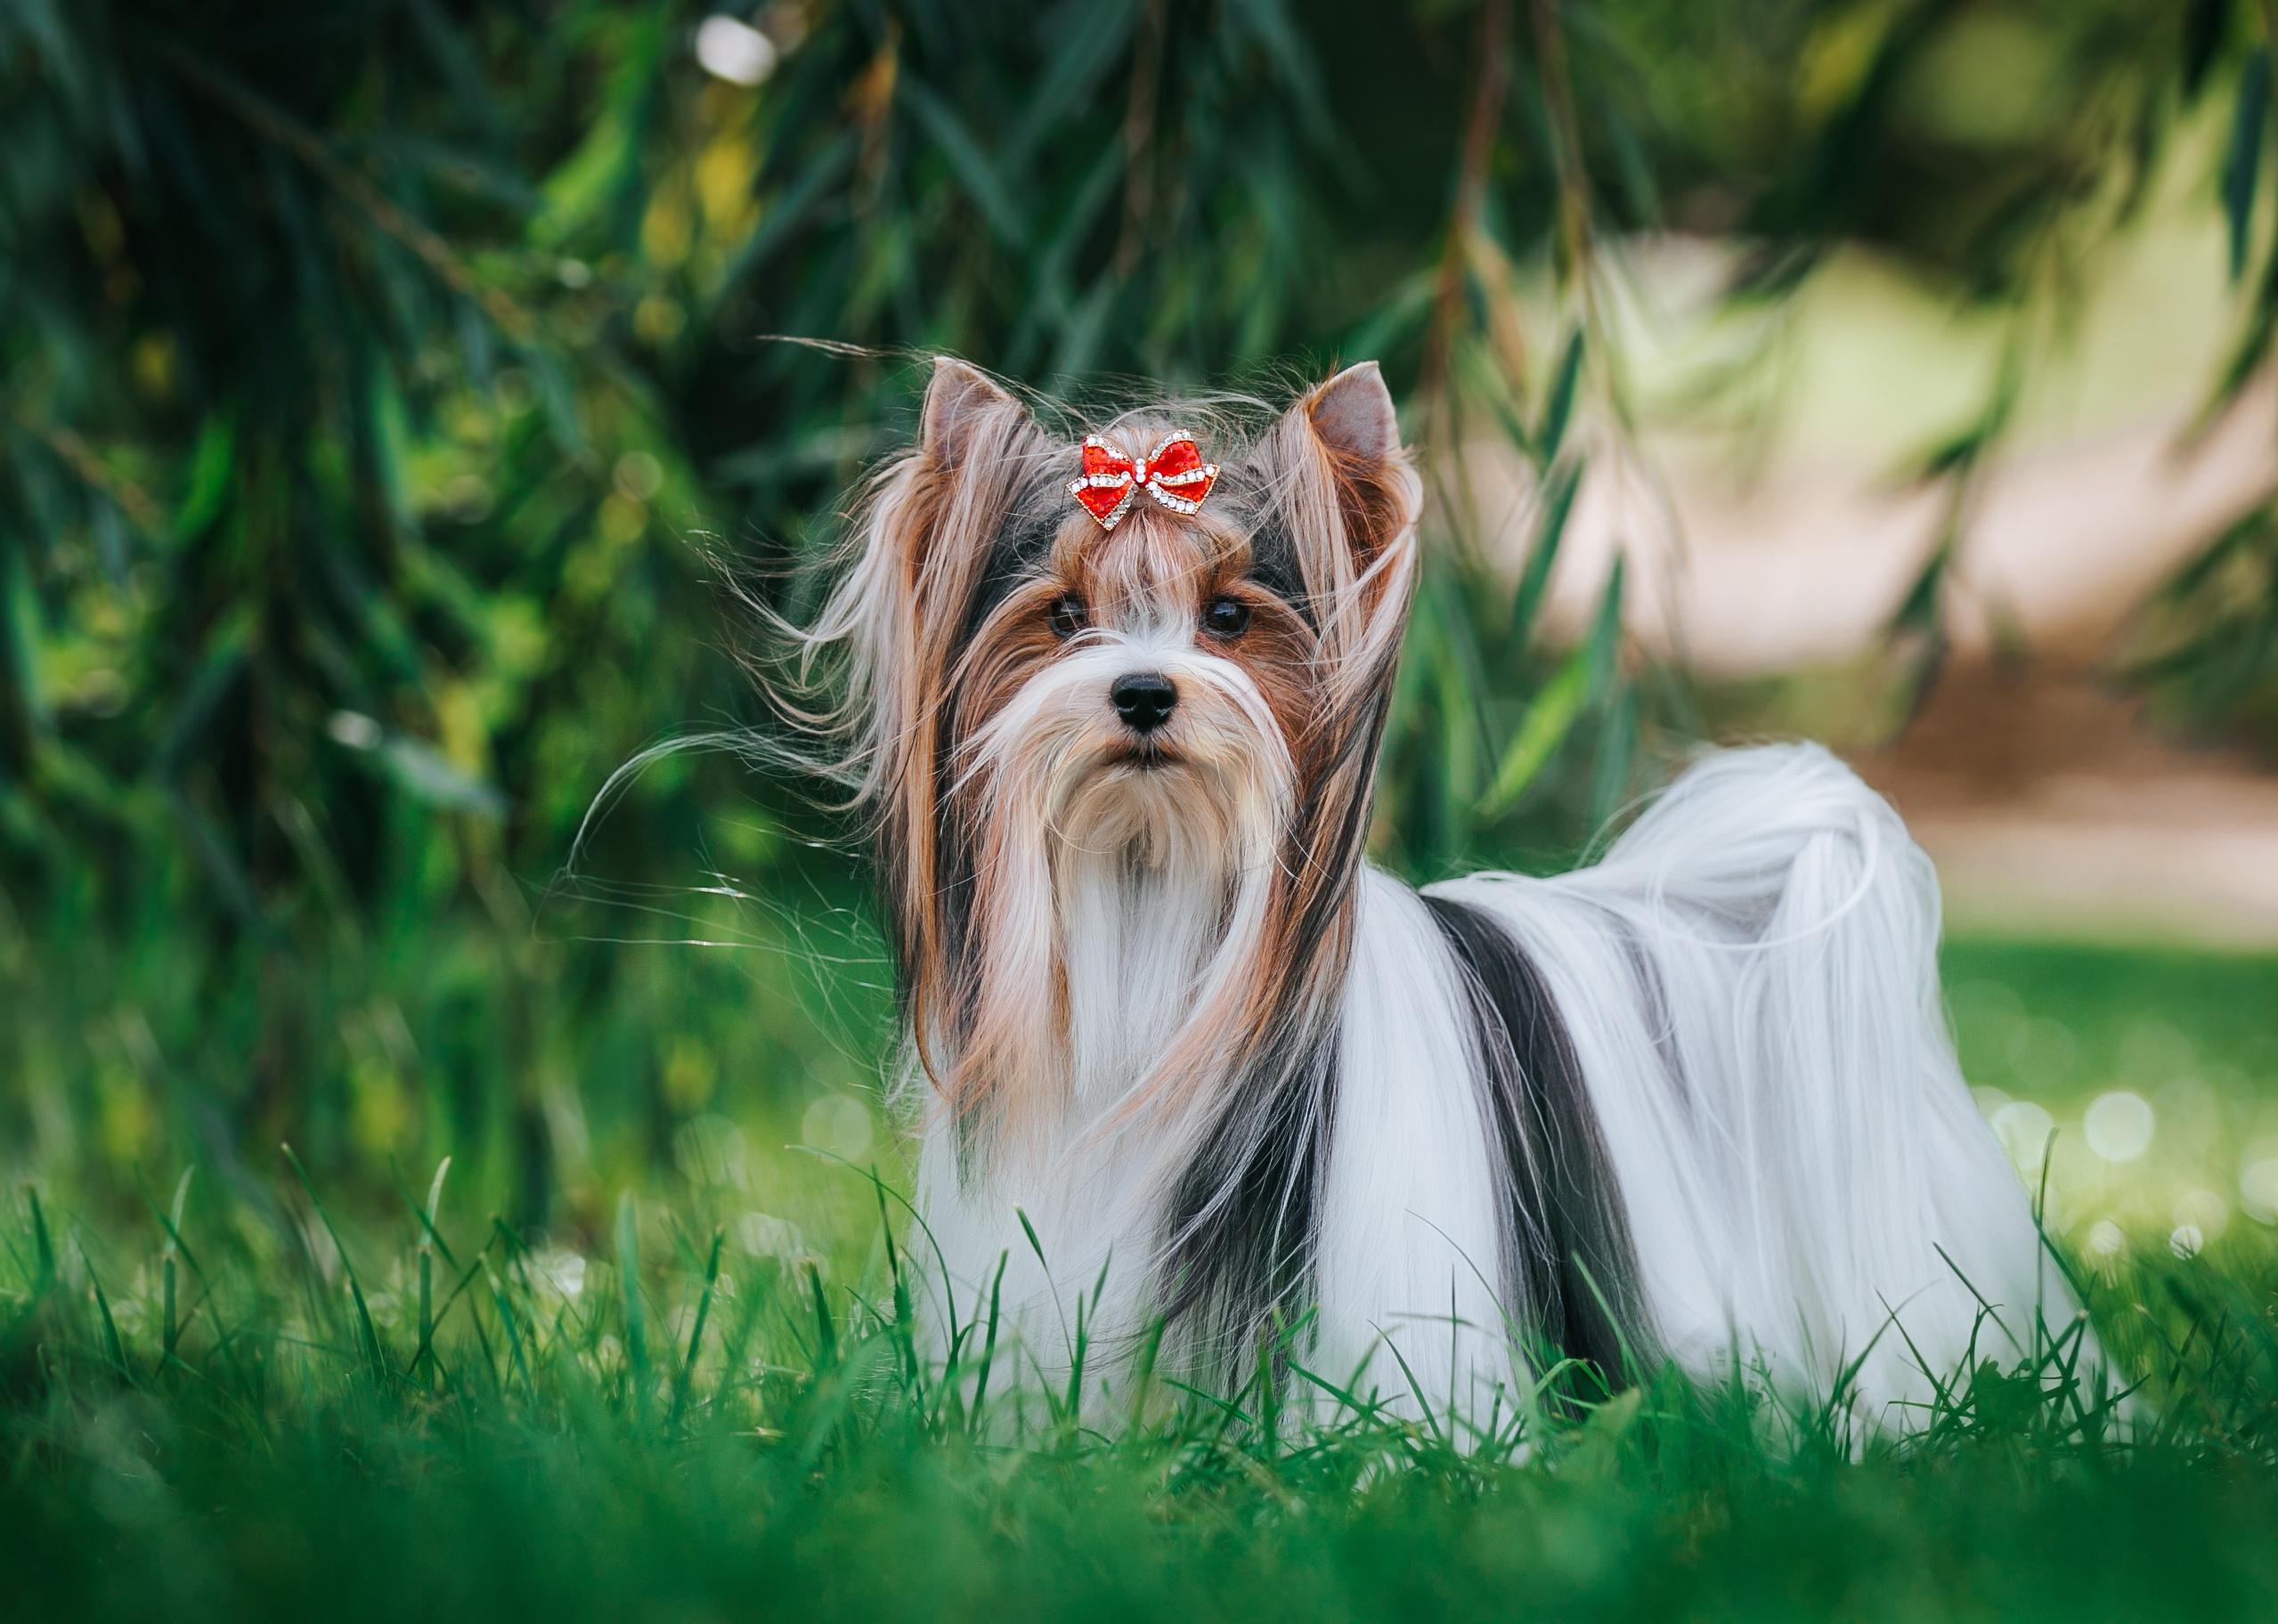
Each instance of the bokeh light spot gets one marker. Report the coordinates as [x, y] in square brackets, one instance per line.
[2119, 1125]
[839, 1124]
[2204, 1211]
[730, 48]
[2024, 1129]
[2258, 1188]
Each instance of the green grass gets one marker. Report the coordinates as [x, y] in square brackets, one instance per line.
[698, 1397]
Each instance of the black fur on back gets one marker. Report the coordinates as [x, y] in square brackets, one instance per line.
[1568, 1257]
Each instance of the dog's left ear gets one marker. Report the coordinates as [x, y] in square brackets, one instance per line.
[1353, 414]
[1364, 496]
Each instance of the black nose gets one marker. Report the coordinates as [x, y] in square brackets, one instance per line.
[1144, 700]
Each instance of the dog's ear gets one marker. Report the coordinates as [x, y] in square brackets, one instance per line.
[1350, 496]
[966, 413]
[943, 520]
[1352, 421]
[1353, 414]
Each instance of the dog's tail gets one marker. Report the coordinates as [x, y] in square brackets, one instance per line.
[1750, 979]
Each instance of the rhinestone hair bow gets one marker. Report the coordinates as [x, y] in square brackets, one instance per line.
[1174, 474]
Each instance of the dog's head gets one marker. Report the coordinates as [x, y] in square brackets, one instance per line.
[1037, 696]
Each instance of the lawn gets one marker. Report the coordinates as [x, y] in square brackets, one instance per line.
[695, 1395]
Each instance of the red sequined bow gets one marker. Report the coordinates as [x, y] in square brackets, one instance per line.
[1174, 474]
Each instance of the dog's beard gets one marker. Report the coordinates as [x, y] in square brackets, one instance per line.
[1123, 886]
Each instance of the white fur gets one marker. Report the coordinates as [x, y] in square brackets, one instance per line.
[1791, 1136]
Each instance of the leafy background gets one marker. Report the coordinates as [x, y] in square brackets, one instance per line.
[382, 381]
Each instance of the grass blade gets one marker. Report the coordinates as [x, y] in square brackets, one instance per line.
[375, 1358]
[696, 1334]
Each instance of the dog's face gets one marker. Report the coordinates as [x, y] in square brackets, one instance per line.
[1141, 692]
[1190, 692]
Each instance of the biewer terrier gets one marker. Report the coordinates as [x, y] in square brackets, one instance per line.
[1196, 1073]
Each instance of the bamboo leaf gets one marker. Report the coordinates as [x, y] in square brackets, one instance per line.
[1561, 486]
[1549, 719]
[1558, 408]
[2242, 162]
[43, 1247]
[972, 167]
[2202, 43]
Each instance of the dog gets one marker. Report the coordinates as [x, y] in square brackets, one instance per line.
[1199, 1089]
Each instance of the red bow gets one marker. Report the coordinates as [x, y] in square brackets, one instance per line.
[1174, 474]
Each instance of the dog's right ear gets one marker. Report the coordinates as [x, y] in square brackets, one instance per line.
[968, 425]
[965, 415]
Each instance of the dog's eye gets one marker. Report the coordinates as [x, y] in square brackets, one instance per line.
[1226, 617]
[1066, 616]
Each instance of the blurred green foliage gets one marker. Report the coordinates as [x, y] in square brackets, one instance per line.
[378, 377]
